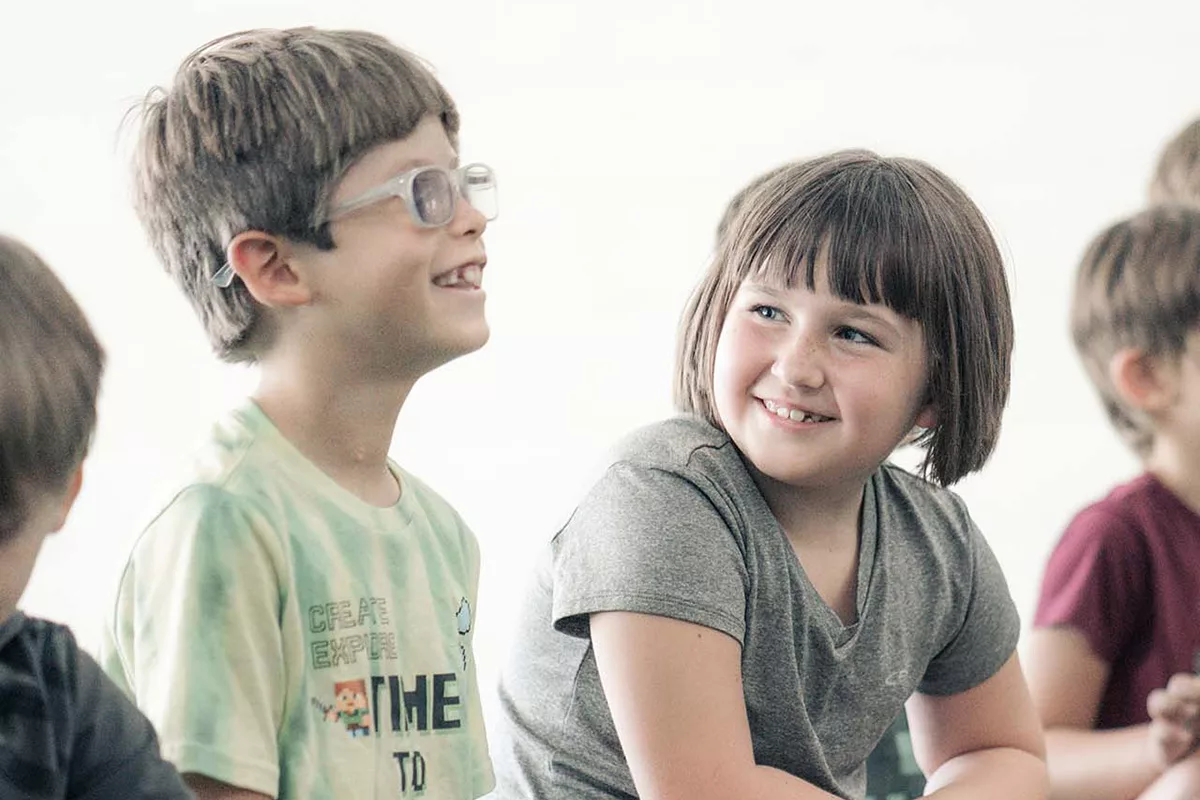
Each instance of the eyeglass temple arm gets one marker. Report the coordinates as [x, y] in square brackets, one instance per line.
[393, 188]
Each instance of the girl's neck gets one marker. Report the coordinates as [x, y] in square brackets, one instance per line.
[821, 516]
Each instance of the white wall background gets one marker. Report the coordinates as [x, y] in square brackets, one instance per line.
[618, 129]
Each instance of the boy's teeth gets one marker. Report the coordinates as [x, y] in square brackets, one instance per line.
[468, 275]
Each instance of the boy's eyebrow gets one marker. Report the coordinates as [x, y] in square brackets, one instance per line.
[420, 161]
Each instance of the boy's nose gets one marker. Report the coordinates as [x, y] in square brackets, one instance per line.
[801, 364]
[468, 220]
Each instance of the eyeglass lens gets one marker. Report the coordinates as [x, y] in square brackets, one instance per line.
[433, 193]
[479, 187]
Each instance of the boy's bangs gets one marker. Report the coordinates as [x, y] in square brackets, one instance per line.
[398, 104]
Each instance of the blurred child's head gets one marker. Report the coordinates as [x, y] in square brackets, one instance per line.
[49, 379]
[1135, 310]
[738, 200]
[890, 231]
[255, 134]
[1177, 175]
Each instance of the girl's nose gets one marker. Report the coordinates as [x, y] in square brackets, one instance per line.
[801, 363]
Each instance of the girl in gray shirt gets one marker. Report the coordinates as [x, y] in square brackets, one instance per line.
[747, 597]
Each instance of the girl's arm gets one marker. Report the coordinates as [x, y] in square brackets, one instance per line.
[983, 743]
[675, 692]
[1067, 680]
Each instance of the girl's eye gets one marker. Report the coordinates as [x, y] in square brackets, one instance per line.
[766, 312]
[854, 335]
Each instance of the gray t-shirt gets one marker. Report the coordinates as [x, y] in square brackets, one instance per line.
[676, 527]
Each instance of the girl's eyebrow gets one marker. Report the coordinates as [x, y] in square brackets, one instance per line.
[762, 288]
[857, 312]
[850, 310]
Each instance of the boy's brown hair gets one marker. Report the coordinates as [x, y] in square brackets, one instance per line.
[891, 230]
[1177, 174]
[254, 134]
[49, 380]
[1137, 286]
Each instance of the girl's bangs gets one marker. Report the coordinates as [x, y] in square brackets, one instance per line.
[861, 240]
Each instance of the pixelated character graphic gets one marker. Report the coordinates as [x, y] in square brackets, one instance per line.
[463, 618]
[350, 707]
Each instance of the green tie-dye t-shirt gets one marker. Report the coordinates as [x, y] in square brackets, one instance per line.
[288, 638]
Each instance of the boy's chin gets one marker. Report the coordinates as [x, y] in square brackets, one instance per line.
[465, 344]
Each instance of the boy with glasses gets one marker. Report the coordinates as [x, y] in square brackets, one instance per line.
[297, 620]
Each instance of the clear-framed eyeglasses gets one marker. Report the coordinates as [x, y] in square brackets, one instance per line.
[430, 193]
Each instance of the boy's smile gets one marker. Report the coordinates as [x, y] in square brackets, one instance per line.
[468, 276]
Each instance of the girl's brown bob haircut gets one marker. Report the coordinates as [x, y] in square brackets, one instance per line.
[894, 231]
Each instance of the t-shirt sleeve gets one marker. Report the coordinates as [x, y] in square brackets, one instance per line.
[1095, 581]
[114, 755]
[990, 628]
[198, 636]
[649, 541]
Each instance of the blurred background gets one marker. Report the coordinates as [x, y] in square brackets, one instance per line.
[618, 131]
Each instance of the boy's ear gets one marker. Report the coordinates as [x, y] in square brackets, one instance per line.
[73, 487]
[1141, 380]
[263, 263]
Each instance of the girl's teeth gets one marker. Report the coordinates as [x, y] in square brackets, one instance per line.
[793, 414]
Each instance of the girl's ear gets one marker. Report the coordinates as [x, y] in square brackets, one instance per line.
[926, 419]
[1145, 382]
[262, 261]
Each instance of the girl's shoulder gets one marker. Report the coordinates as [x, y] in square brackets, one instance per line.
[691, 450]
[673, 444]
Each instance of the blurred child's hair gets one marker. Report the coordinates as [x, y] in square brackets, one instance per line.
[1177, 175]
[254, 134]
[894, 231]
[49, 379]
[738, 200]
[1138, 286]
